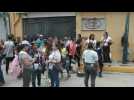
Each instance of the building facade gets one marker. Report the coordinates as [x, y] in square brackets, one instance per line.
[114, 24]
[61, 23]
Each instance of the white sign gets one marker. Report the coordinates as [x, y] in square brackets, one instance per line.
[93, 24]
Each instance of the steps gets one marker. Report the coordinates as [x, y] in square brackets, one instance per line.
[118, 67]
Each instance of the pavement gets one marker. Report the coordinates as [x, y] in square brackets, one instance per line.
[119, 67]
[109, 79]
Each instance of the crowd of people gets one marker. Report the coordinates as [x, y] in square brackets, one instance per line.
[30, 58]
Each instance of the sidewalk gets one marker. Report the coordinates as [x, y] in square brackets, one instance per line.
[119, 67]
[109, 79]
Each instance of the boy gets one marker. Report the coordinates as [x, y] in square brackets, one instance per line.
[65, 59]
[100, 56]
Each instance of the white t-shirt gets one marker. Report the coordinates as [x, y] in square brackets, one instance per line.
[106, 41]
[91, 41]
[90, 56]
[54, 56]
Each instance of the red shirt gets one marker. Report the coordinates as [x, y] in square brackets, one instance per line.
[72, 48]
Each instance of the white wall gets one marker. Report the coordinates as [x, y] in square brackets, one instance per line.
[3, 33]
[49, 14]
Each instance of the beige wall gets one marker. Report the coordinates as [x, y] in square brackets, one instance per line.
[16, 24]
[115, 25]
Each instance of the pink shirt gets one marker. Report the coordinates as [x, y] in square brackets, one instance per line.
[72, 48]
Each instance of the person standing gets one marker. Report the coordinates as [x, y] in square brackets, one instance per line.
[78, 50]
[37, 65]
[65, 59]
[54, 65]
[39, 42]
[2, 81]
[100, 57]
[9, 52]
[92, 40]
[107, 41]
[90, 59]
[72, 51]
[26, 62]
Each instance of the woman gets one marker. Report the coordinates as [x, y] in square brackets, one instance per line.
[15, 68]
[107, 41]
[2, 81]
[92, 40]
[72, 51]
[54, 65]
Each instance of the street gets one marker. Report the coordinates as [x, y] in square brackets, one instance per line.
[108, 80]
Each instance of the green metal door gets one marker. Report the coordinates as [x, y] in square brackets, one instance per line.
[52, 26]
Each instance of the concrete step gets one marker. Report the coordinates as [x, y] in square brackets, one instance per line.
[122, 68]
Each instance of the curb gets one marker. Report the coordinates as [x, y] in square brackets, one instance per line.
[122, 69]
[117, 68]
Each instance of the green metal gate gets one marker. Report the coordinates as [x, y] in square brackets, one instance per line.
[52, 26]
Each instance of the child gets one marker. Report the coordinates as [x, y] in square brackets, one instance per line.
[100, 56]
[65, 59]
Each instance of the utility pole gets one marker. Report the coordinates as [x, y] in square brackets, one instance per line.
[125, 42]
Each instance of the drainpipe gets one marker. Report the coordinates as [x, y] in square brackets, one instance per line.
[125, 49]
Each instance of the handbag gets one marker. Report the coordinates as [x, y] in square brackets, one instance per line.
[59, 67]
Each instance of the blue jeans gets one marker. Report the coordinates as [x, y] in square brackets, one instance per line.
[90, 71]
[1, 75]
[54, 76]
[36, 74]
[66, 65]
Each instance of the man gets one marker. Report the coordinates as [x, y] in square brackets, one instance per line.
[26, 62]
[90, 59]
[9, 52]
[2, 81]
[37, 66]
[78, 50]
[40, 42]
